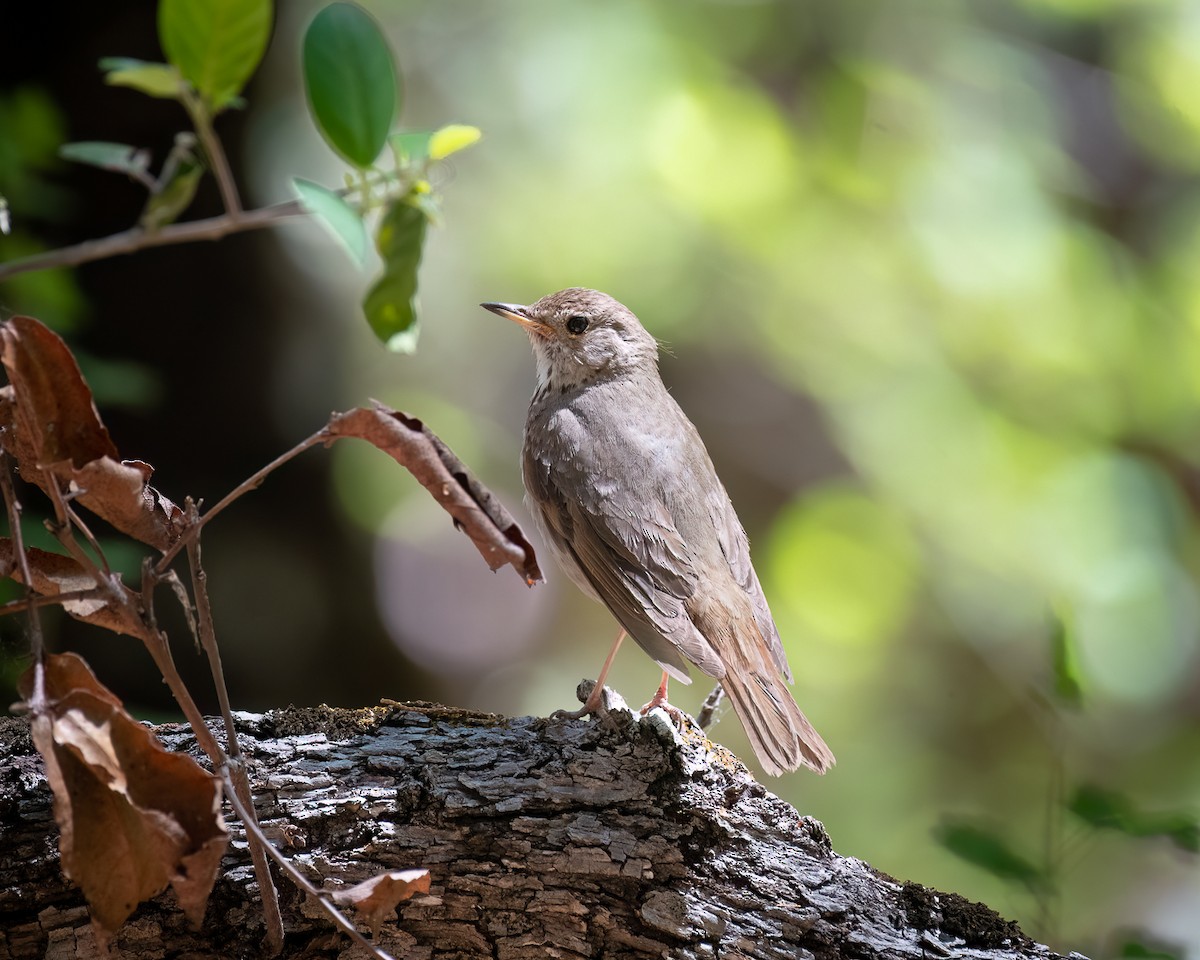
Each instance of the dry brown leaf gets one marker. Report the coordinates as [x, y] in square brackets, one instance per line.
[53, 574]
[57, 412]
[132, 816]
[52, 426]
[376, 899]
[474, 508]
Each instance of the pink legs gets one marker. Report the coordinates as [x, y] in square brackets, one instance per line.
[592, 704]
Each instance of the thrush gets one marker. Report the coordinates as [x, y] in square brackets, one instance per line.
[623, 491]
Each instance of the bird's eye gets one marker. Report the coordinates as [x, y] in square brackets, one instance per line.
[577, 324]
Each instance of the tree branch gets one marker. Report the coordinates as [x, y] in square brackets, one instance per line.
[567, 838]
[137, 238]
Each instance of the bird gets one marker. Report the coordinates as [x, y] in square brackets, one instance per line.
[623, 491]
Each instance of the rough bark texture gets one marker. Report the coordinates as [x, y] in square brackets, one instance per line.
[544, 838]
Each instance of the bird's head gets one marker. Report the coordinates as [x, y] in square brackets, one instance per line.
[582, 335]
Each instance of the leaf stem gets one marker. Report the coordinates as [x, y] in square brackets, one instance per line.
[201, 119]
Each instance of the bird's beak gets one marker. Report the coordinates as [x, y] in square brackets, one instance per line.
[518, 314]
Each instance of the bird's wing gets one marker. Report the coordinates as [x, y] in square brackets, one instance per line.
[638, 565]
[735, 545]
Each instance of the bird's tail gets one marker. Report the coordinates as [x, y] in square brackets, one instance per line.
[780, 733]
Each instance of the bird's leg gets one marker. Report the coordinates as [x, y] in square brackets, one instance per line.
[596, 697]
[660, 700]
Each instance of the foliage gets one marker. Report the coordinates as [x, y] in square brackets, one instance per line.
[353, 93]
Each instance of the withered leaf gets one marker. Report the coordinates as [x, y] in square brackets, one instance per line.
[53, 574]
[474, 508]
[133, 817]
[376, 899]
[53, 429]
[55, 410]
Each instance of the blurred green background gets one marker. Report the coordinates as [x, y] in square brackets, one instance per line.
[927, 276]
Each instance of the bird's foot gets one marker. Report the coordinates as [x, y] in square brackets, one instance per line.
[572, 714]
[659, 701]
[679, 716]
[597, 701]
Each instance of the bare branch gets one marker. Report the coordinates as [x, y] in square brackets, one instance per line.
[708, 708]
[239, 782]
[83, 528]
[212, 228]
[160, 652]
[138, 238]
[37, 643]
[61, 529]
[411, 444]
[54, 599]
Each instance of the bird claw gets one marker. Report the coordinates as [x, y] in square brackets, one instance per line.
[659, 700]
[598, 702]
[602, 715]
[679, 716]
[583, 711]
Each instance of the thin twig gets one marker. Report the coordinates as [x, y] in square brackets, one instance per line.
[253, 482]
[211, 143]
[61, 529]
[154, 639]
[171, 579]
[82, 527]
[37, 643]
[138, 238]
[708, 708]
[160, 652]
[298, 878]
[212, 228]
[53, 599]
[240, 781]
[207, 632]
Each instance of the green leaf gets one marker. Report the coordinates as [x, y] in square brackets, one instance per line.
[1134, 946]
[118, 157]
[426, 202]
[390, 305]
[1184, 831]
[351, 80]
[121, 383]
[155, 79]
[989, 851]
[216, 44]
[177, 185]
[412, 146]
[1099, 807]
[1068, 675]
[1107, 809]
[452, 138]
[342, 220]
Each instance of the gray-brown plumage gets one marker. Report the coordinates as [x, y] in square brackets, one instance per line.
[623, 491]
